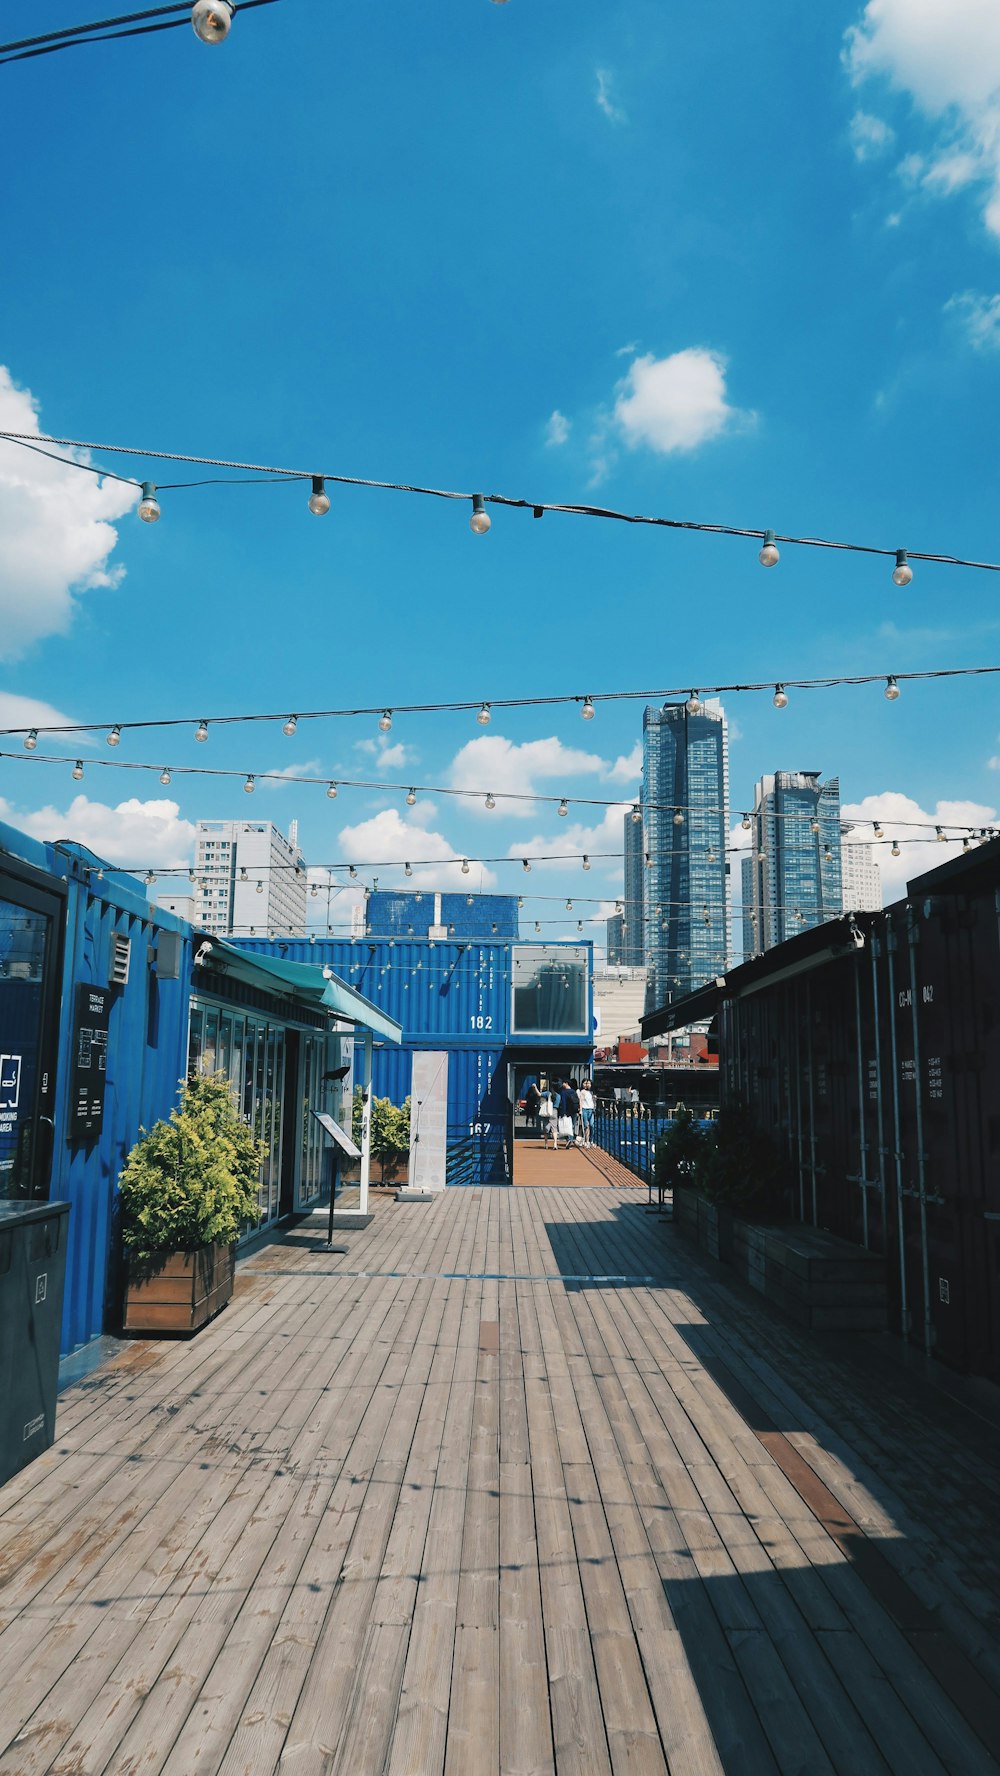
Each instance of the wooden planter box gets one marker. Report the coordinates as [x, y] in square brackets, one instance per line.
[817, 1279]
[179, 1291]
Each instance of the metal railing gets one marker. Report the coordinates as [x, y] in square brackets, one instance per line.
[476, 1159]
[629, 1133]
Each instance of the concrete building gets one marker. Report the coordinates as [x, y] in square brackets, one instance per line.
[792, 876]
[249, 878]
[860, 875]
[685, 806]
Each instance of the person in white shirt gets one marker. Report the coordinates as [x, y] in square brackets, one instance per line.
[586, 1111]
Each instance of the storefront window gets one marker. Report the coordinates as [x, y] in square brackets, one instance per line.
[24, 941]
[549, 989]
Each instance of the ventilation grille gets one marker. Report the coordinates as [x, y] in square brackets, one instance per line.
[121, 949]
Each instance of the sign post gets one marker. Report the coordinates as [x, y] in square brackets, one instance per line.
[341, 1144]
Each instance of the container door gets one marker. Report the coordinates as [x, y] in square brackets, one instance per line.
[30, 942]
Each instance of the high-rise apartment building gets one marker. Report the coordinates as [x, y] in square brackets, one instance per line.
[632, 946]
[685, 806]
[862, 881]
[249, 878]
[615, 940]
[792, 876]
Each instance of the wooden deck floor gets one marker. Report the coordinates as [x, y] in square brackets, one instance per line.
[518, 1486]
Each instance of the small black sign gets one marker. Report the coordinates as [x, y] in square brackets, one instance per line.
[90, 1059]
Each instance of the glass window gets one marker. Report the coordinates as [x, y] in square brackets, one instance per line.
[23, 946]
[550, 989]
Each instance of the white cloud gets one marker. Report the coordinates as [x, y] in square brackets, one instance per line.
[605, 96]
[627, 766]
[495, 764]
[870, 136]
[557, 429]
[574, 839]
[57, 535]
[918, 851]
[388, 838]
[29, 712]
[133, 833]
[675, 403]
[994, 762]
[391, 754]
[979, 317]
[947, 58]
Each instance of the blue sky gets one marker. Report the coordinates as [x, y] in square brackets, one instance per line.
[739, 267]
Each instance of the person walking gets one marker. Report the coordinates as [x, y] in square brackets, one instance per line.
[532, 1100]
[587, 1111]
[569, 1105]
[548, 1110]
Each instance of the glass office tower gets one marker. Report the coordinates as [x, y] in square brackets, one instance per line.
[793, 881]
[685, 804]
[632, 948]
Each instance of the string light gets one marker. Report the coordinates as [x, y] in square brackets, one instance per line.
[149, 878]
[149, 505]
[587, 712]
[114, 737]
[563, 808]
[211, 20]
[408, 869]
[891, 689]
[814, 825]
[352, 872]
[319, 499]
[780, 699]
[769, 556]
[902, 573]
[745, 823]
[201, 732]
[260, 888]
[249, 786]
[586, 861]
[941, 835]
[465, 866]
[411, 796]
[877, 828]
[678, 817]
[895, 848]
[290, 726]
[693, 704]
[480, 521]
[484, 717]
[331, 791]
[526, 866]
[490, 800]
[31, 740]
[165, 776]
[636, 814]
[385, 721]
[78, 770]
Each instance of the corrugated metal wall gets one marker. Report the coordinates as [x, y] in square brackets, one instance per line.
[147, 1051]
[446, 993]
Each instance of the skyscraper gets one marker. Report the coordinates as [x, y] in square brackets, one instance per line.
[862, 881]
[685, 804]
[792, 876]
[632, 947]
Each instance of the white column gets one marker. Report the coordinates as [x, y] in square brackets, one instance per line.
[366, 1123]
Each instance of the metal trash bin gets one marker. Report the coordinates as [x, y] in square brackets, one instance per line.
[32, 1275]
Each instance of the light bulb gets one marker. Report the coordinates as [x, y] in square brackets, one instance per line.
[879, 834]
[149, 505]
[352, 872]
[586, 862]
[579, 926]
[780, 698]
[260, 888]
[480, 520]
[587, 712]
[319, 499]
[248, 787]
[649, 859]
[678, 817]
[966, 844]
[78, 770]
[149, 878]
[569, 906]
[526, 866]
[636, 814]
[692, 705]
[491, 800]
[942, 836]
[465, 866]
[31, 740]
[411, 796]
[814, 826]
[902, 573]
[484, 717]
[769, 556]
[745, 823]
[201, 731]
[114, 738]
[243, 876]
[211, 20]
[290, 725]
[164, 775]
[385, 720]
[408, 869]
[563, 808]
[891, 687]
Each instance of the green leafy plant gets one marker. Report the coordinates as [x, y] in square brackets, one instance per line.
[191, 1181]
[677, 1153]
[390, 1133]
[742, 1167]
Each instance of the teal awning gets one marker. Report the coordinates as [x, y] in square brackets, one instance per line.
[311, 985]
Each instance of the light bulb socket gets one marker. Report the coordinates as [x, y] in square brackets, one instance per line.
[149, 505]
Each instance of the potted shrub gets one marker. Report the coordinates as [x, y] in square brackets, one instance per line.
[188, 1189]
